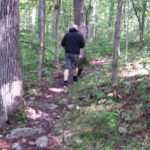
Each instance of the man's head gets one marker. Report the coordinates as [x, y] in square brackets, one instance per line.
[75, 26]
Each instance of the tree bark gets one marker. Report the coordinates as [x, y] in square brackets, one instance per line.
[33, 15]
[116, 42]
[79, 15]
[88, 12]
[93, 16]
[11, 89]
[65, 17]
[57, 22]
[41, 19]
[79, 19]
[58, 7]
[144, 2]
[127, 27]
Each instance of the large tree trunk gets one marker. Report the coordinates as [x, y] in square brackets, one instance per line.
[79, 15]
[41, 19]
[79, 18]
[116, 43]
[11, 90]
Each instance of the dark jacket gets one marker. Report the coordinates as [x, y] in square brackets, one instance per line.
[73, 41]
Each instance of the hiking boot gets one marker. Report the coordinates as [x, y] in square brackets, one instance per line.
[80, 71]
[75, 79]
[65, 83]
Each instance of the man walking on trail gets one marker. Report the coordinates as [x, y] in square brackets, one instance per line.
[72, 42]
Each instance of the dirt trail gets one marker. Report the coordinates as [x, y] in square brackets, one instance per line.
[45, 112]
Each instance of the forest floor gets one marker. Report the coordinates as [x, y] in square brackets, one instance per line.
[53, 110]
[43, 110]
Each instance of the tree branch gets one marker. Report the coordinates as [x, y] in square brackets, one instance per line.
[136, 13]
[38, 45]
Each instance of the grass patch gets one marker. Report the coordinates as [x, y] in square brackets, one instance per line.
[95, 124]
[19, 117]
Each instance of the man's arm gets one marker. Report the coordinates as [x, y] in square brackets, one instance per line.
[82, 41]
[63, 41]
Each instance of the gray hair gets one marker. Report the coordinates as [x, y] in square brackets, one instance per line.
[75, 26]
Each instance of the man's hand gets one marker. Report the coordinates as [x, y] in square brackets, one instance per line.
[81, 53]
[80, 56]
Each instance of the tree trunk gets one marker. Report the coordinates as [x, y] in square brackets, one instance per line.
[11, 89]
[127, 27]
[79, 18]
[70, 15]
[79, 15]
[57, 23]
[41, 19]
[57, 31]
[33, 15]
[65, 17]
[141, 20]
[88, 15]
[116, 43]
[93, 16]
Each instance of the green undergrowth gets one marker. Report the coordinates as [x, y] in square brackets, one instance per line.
[91, 84]
[19, 118]
[97, 118]
[99, 48]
